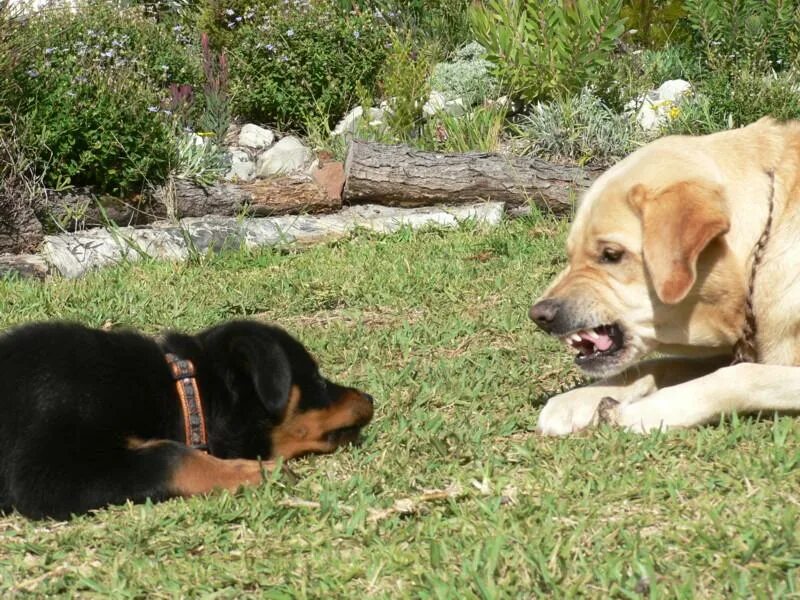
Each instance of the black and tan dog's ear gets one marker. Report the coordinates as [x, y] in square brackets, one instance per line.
[261, 366]
[678, 223]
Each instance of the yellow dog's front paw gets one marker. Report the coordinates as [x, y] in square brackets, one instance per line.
[569, 412]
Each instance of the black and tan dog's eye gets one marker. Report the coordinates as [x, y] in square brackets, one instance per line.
[610, 256]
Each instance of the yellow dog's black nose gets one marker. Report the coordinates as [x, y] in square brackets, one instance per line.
[544, 314]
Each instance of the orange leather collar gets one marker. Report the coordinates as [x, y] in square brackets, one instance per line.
[194, 424]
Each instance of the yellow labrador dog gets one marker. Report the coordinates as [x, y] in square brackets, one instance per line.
[689, 247]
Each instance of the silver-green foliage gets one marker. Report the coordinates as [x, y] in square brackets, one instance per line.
[579, 128]
[468, 76]
[200, 161]
[544, 49]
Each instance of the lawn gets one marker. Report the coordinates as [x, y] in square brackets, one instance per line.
[452, 493]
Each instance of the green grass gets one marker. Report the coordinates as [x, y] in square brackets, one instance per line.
[434, 325]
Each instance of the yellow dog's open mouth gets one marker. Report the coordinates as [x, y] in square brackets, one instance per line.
[595, 343]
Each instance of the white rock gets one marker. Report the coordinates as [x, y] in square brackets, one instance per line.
[242, 166]
[674, 90]
[349, 122]
[438, 102]
[656, 107]
[253, 136]
[288, 155]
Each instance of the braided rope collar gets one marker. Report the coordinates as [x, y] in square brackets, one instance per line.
[745, 349]
[194, 424]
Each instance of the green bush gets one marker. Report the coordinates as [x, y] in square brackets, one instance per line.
[656, 23]
[442, 23]
[732, 97]
[763, 33]
[297, 57]
[91, 96]
[545, 50]
[580, 129]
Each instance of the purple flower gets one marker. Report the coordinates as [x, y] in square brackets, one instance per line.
[230, 12]
[289, 32]
[284, 58]
[107, 54]
[49, 51]
[152, 109]
[33, 73]
[270, 47]
[177, 28]
[356, 34]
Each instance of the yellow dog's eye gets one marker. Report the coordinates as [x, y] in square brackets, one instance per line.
[611, 255]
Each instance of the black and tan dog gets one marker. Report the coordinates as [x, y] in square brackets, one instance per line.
[90, 418]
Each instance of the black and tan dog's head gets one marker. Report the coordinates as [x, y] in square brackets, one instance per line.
[265, 368]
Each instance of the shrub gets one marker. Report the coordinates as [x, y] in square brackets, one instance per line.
[466, 76]
[580, 128]
[480, 129]
[545, 50]
[405, 82]
[299, 56]
[756, 32]
[443, 23]
[90, 96]
[732, 98]
[656, 23]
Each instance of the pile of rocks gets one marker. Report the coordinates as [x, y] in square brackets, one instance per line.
[257, 155]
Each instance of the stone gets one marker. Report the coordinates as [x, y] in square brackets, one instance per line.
[253, 136]
[242, 166]
[438, 102]
[349, 124]
[75, 254]
[330, 176]
[23, 265]
[288, 155]
[657, 107]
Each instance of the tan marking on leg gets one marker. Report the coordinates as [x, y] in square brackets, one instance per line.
[200, 473]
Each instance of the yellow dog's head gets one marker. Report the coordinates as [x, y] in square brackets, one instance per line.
[649, 265]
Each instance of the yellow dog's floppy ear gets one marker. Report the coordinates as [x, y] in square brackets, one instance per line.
[677, 225]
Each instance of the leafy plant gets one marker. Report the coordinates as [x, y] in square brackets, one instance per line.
[441, 23]
[758, 32]
[297, 56]
[544, 49]
[202, 161]
[580, 128]
[216, 115]
[734, 97]
[405, 81]
[466, 76]
[656, 23]
[480, 129]
[91, 96]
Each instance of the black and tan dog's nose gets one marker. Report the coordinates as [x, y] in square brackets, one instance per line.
[544, 313]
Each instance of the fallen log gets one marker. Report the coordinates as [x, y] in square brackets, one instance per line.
[402, 176]
[20, 230]
[293, 194]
